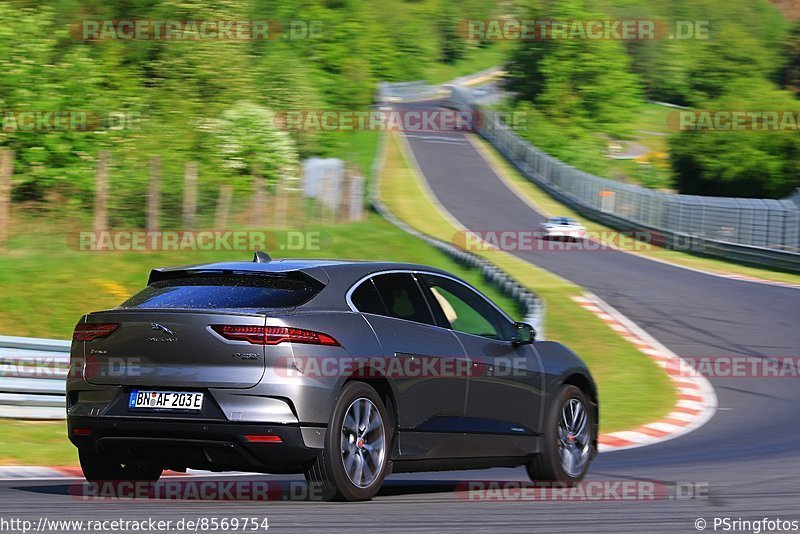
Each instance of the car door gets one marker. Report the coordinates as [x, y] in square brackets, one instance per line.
[505, 390]
[425, 362]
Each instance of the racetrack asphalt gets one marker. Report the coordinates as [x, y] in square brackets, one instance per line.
[746, 456]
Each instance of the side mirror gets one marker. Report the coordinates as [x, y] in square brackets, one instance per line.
[524, 334]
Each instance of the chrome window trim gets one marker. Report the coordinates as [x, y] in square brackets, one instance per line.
[414, 272]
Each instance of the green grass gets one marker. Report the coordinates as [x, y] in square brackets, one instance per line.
[654, 174]
[549, 205]
[479, 59]
[632, 389]
[651, 118]
[35, 443]
[360, 147]
[46, 292]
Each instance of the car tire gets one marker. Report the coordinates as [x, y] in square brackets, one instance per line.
[568, 443]
[355, 460]
[97, 468]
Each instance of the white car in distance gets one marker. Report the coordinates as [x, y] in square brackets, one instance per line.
[563, 228]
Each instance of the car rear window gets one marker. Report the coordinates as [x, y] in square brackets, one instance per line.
[217, 291]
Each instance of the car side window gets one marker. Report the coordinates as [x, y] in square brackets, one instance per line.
[367, 300]
[465, 310]
[402, 298]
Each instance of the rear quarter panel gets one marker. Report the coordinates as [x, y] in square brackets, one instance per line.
[313, 380]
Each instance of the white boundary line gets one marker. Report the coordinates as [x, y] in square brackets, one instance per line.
[514, 188]
[702, 384]
[700, 387]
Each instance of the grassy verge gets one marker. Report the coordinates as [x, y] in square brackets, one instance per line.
[633, 390]
[477, 60]
[58, 285]
[35, 443]
[45, 290]
[549, 205]
[649, 128]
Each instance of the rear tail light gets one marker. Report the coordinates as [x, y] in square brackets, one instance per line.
[272, 335]
[263, 438]
[90, 331]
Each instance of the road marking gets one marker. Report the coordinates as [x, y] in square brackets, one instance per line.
[696, 400]
[517, 190]
[685, 419]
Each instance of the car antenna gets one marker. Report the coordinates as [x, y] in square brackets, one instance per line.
[261, 257]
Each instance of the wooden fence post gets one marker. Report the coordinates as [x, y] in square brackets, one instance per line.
[6, 170]
[344, 195]
[101, 192]
[223, 207]
[259, 205]
[154, 196]
[190, 194]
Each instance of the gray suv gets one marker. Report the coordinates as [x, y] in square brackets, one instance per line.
[342, 370]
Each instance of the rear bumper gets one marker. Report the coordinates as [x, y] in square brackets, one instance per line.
[564, 234]
[197, 444]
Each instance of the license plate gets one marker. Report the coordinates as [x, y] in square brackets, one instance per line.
[165, 400]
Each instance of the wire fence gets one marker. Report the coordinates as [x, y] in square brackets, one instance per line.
[762, 231]
[530, 304]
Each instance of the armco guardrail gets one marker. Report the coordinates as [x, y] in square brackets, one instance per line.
[528, 160]
[763, 232]
[32, 377]
[33, 371]
[532, 306]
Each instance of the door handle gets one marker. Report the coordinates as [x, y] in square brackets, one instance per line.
[410, 355]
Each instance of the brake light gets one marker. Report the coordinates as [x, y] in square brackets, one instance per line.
[90, 331]
[273, 335]
[259, 438]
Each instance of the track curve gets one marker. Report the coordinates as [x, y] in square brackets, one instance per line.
[747, 454]
[693, 313]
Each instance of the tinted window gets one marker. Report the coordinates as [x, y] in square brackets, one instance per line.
[402, 297]
[366, 299]
[211, 292]
[464, 310]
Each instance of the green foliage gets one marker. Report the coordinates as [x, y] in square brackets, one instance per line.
[180, 88]
[565, 139]
[739, 39]
[790, 72]
[452, 46]
[586, 82]
[740, 163]
[584, 91]
[250, 143]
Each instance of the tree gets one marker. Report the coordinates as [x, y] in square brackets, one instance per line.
[452, 44]
[742, 163]
[733, 54]
[250, 143]
[578, 80]
[790, 73]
